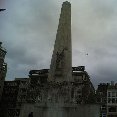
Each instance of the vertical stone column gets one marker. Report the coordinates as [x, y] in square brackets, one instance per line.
[61, 62]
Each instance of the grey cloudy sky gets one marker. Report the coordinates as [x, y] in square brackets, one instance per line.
[28, 31]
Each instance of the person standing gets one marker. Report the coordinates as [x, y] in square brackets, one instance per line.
[30, 114]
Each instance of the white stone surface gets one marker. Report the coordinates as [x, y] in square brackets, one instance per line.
[61, 63]
[57, 110]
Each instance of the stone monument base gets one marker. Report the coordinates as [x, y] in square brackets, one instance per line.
[59, 110]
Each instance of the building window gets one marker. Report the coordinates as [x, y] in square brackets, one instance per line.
[103, 115]
[112, 109]
[79, 96]
[113, 94]
[109, 94]
[113, 100]
[109, 100]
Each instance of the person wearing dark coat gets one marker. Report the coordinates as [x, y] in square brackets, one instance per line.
[30, 114]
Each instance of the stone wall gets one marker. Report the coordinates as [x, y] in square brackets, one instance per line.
[59, 110]
[26, 109]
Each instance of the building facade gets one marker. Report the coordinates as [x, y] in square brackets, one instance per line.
[42, 93]
[3, 68]
[37, 89]
[106, 96]
[82, 90]
[37, 80]
[22, 93]
[9, 99]
[112, 100]
[101, 98]
[14, 95]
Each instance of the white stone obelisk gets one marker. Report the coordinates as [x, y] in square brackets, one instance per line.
[61, 62]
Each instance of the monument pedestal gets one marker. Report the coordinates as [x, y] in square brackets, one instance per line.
[64, 110]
